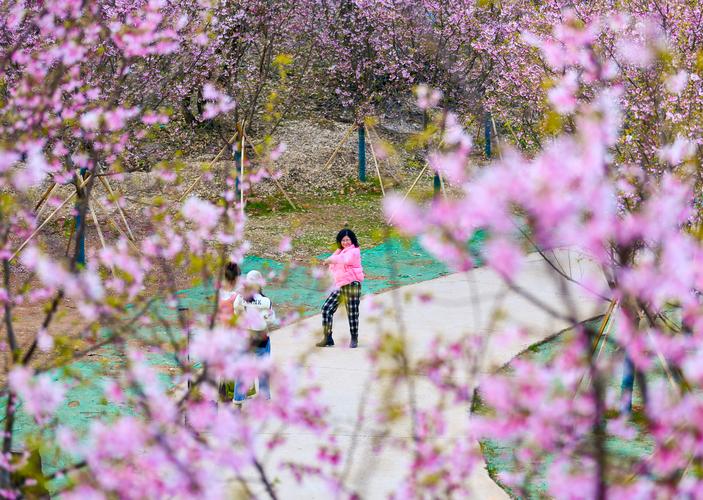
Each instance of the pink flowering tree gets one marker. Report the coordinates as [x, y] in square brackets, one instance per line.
[262, 55]
[84, 84]
[429, 43]
[636, 217]
[655, 89]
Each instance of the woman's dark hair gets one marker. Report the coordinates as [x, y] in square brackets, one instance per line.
[347, 232]
[232, 272]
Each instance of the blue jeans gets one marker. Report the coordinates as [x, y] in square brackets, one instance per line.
[261, 352]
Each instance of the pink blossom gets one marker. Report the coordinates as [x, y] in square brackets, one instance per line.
[451, 165]
[91, 120]
[634, 52]
[41, 395]
[404, 213]
[681, 149]
[201, 212]
[67, 439]
[276, 152]
[677, 83]
[218, 102]
[35, 171]
[504, 256]
[427, 98]
[7, 159]
[44, 340]
[285, 246]
[219, 347]
[563, 95]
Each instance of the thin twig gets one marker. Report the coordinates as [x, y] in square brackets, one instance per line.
[265, 480]
[551, 264]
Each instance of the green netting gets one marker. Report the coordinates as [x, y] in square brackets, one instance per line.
[499, 456]
[390, 264]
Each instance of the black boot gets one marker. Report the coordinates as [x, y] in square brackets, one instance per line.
[354, 341]
[326, 342]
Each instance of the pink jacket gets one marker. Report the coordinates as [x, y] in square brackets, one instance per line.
[346, 266]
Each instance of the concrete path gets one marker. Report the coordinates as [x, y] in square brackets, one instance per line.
[477, 302]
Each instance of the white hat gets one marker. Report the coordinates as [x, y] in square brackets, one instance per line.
[254, 277]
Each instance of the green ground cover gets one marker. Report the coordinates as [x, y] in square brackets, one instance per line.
[500, 456]
[391, 264]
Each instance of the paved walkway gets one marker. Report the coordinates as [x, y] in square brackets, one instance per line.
[476, 302]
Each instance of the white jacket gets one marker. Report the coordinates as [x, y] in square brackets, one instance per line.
[259, 305]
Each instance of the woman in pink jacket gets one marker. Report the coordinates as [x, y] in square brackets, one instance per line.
[345, 264]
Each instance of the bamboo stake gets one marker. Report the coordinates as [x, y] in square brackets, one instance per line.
[44, 197]
[117, 227]
[389, 171]
[339, 145]
[605, 333]
[444, 190]
[390, 219]
[512, 132]
[241, 175]
[606, 319]
[196, 181]
[663, 361]
[278, 184]
[100, 233]
[70, 238]
[107, 186]
[375, 161]
[46, 221]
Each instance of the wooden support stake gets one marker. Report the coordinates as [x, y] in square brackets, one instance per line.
[196, 181]
[512, 132]
[241, 175]
[664, 363]
[44, 197]
[390, 219]
[100, 233]
[278, 184]
[70, 237]
[444, 190]
[375, 161]
[389, 171]
[46, 221]
[339, 145]
[602, 334]
[107, 186]
[117, 227]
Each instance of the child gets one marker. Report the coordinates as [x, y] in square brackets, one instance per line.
[228, 293]
[253, 300]
[225, 313]
[345, 265]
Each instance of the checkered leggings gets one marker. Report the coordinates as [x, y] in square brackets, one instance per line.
[350, 295]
